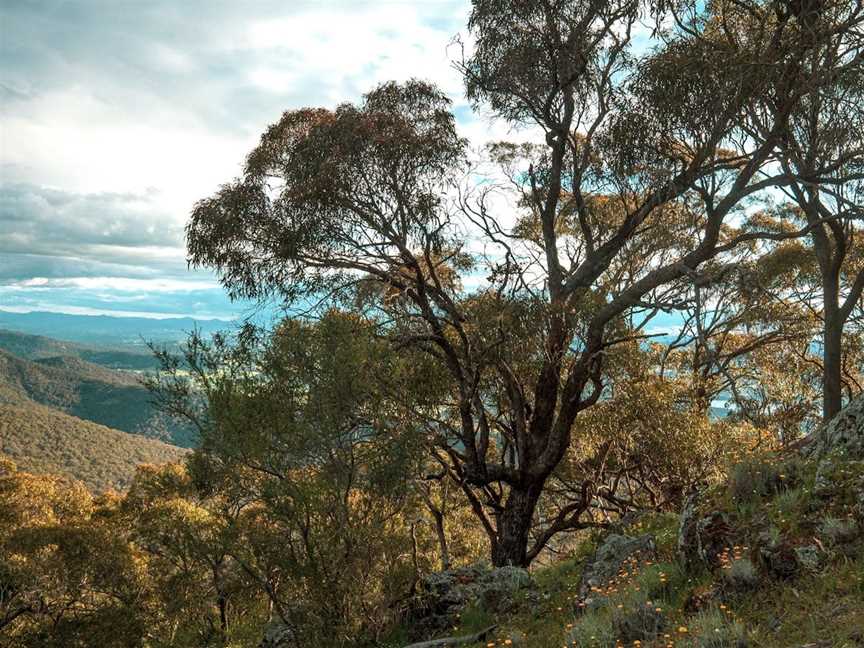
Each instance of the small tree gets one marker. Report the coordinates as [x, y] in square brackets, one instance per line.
[305, 474]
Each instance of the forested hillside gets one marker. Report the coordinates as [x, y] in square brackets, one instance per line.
[88, 391]
[43, 440]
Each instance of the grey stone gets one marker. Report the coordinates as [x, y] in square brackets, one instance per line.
[843, 435]
[278, 635]
[809, 557]
[445, 594]
[610, 558]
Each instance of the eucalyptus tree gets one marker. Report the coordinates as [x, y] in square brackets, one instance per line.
[822, 153]
[644, 158]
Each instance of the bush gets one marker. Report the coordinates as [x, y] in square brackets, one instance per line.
[642, 621]
[838, 532]
[754, 479]
[713, 629]
[741, 575]
[594, 630]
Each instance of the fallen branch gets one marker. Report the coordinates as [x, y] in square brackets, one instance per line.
[453, 641]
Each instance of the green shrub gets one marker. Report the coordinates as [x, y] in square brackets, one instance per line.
[593, 630]
[754, 479]
[711, 628]
[741, 575]
[642, 621]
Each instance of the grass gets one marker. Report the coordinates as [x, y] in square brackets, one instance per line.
[826, 606]
[658, 604]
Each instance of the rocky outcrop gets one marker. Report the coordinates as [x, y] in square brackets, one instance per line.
[843, 435]
[450, 642]
[443, 595]
[278, 635]
[615, 555]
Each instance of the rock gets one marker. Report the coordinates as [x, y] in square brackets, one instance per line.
[843, 435]
[445, 594]
[809, 557]
[278, 635]
[701, 538]
[449, 642]
[823, 485]
[611, 557]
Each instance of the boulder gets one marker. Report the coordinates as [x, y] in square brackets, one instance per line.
[278, 635]
[443, 595]
[843, 435]
[615, 554]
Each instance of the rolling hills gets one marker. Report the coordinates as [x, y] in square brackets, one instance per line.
[37, 347]
[62, 413]
[43, 440]
[85, 390]
[104, 330]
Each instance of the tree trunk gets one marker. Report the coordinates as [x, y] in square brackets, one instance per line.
[832, 363]
[442, 539]
[514, 525]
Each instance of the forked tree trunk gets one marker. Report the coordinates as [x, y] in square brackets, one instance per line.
[514, 526]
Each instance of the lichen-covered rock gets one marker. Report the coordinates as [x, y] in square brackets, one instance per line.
[809, 557]
[278, 635]
[701, 537]
[613, 555]
[844, 434]
[443, 595]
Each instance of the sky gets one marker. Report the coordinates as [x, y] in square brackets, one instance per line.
[117, 115]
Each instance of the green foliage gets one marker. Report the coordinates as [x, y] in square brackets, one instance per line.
[712, 628]
[299, 439]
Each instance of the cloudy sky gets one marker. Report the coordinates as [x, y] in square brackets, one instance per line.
[117, 115]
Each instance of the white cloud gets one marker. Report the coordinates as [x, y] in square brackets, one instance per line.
[120, 284]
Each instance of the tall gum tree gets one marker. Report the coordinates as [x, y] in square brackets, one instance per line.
[822, 153]
[332, 202]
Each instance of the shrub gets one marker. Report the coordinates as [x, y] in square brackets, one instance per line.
[838, 532]
[640, 621]
[741, 574]
[593, 630]
[711, 628]
[754, 479]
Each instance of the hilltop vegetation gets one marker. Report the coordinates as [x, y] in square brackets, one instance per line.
[43, 440]
[773, 559]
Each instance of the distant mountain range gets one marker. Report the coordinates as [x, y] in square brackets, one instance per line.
[106, 331]
[38, 347]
